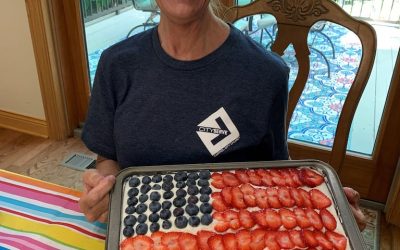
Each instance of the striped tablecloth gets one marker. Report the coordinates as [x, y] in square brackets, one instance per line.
[39, 215]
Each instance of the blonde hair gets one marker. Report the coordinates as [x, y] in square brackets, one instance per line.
[216, 7]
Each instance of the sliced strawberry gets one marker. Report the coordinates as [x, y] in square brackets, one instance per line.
[305, 196]
[232, 218]
[295, 177]
[259, 218]
[229, 241]
[285, 198]
[261, 172]
[246, 219]
[215, 242]
[322, 240]
[273, 219]
[157, 237]
[202, 239]
[230, 179]
[314, 218]
[266, 180]
[288, 218]
[261, 197]
[328, 219]
[227, 195]
[273, 200]
[294, 193]
[221, 224]
[254, 178]
[301, 218]
[137, 243]
[257, 239]
[218, 203]
[297, 238]
[277, 178]
[270, 241]
[242, 176]
[217, 180]
[339, 241]
[243, 238]
[248, 195]
[237, 198]
[309, 238]
[288, 178]
[284, 241]
[319, 199]
[310, 178]
[188, 241]
[171, 240]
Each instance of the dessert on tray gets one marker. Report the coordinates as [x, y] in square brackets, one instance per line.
[261, 208]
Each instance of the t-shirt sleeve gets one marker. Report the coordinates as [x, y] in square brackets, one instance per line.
[98, 129]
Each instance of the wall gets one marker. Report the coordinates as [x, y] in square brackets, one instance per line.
[19, 83]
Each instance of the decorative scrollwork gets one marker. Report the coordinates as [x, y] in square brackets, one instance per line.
[298, 9]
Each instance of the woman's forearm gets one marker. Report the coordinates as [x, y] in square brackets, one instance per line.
[106, 166]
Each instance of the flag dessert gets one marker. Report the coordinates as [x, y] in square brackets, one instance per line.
[275, 208]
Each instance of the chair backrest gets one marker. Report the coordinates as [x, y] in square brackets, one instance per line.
[294, 20]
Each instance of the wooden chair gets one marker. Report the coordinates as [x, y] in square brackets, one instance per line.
[294, 20]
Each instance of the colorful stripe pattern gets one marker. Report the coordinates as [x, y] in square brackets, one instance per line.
[43, 216]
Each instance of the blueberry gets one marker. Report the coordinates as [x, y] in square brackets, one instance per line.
[146, 180]
[142, 218]
[165, 214]
[133, 192]
[145, 188]
[143, 198]
[166, 205]
[194, 221]
[132, 201]
[205, 190]
[166, 224]
[180, 184]
[156, 178]
[204, 174]
[193, 176]
[179, 202]
[155, 196]
[206, 208]
[181, 193]
[193, 190]
[168, 195]
[193, 199]
[181, 222]
[190, 182]
[155, 206]
[192, 209]
[204, 198]
[154, 227]
[128, 231]
[156, 187]
[178, 211]
[180, 176]
[130, 209]
[206, 219]
[167, 178]
[154, 217]
[134, 182]
[141, 229]
[130, 220]
[203, 183]
[141, 208]
[167, 186]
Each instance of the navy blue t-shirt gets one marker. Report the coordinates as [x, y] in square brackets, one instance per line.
[148, 108]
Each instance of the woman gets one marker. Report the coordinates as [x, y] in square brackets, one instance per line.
[192, 90]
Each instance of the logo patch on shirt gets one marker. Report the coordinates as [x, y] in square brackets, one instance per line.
[218, 132]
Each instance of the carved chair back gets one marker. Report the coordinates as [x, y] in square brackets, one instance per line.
[294, 20]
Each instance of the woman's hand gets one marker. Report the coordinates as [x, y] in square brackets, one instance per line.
[354, 197]
[95, 198]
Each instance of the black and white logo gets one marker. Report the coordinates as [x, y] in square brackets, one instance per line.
[218, 132]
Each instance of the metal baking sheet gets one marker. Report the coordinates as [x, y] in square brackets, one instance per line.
[344, 211]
